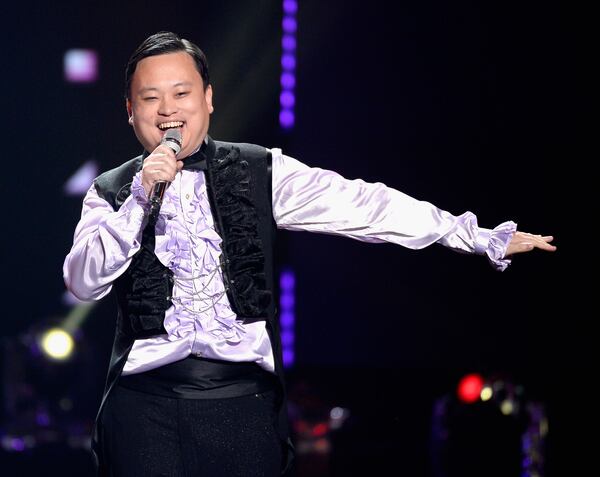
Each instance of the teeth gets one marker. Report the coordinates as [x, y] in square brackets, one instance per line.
[172, 124]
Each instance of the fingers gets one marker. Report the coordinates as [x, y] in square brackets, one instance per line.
[545, 245]
[161, 165]
[526, 242]
[543, 242]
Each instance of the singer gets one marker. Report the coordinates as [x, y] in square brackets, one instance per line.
[195, 385]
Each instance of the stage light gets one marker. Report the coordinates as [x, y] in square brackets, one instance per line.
[286, 118]
[337, 417]
[287, 283]
[288, 62]
[288, 43]
[507, 407]
[290, 6]
[287, 319]
[57, 344]
[466, 437]
[287, 99]
[288, 65]
[289, 24]
[469, 388]
[81, 66]
[288, 81]
[287, 339]
[287, 300]
[79, 183]
[288, 357]
[486, 393]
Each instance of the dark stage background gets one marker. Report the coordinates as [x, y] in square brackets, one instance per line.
[469, 106]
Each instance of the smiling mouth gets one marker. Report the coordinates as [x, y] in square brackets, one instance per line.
[170, 125]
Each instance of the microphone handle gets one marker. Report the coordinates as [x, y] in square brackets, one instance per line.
[172, 139]
[156, 197]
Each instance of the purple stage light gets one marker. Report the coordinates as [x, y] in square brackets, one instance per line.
[288, 62]
[287, 100]
[286, 305]
[16, 444]
[287, 281]
[287, 319]
[288, 81]
[79, 183]
[289, 24]
[287, 300]
[81, 66]
[287, 339]
[288, 43]
[288, 358]
[290, 6]
[286, 119]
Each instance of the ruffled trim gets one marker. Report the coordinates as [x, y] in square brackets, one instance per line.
[187, 244]
[499, 240]
[138, 192]
[238, 220]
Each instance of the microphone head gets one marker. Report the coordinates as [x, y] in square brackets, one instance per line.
[172, 138]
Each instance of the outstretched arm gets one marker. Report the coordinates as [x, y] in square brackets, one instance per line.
[318, 200]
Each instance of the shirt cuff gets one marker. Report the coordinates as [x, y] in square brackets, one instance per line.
[138, 192]
[499, 238]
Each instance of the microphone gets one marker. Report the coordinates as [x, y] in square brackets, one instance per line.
[172, 139]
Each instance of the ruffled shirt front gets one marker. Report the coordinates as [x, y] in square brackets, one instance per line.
[201, 320]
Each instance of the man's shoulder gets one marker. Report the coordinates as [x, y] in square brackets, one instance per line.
[252, 150]
[129, 168]
[112, 183]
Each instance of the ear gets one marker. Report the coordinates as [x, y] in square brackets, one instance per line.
[208, 98]
[129, 111]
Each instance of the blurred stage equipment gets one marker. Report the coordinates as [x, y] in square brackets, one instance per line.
[45, 379]
[489, 427]
[314, 423]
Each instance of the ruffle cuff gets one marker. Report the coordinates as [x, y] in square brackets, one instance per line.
[138, 192]
[499, 239]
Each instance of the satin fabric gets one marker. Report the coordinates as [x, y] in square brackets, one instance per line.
[201, 321]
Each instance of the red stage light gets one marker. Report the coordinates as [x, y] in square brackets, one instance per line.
[469, 388]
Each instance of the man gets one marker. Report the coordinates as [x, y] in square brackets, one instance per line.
[195, 379]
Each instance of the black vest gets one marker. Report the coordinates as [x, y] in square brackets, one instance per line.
[238, 181]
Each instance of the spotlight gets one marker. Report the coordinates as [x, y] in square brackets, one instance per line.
[57, 344]
[44, 392]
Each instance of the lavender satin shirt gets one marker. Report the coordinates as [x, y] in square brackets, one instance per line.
[200, 320]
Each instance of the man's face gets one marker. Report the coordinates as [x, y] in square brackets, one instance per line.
[167, 91]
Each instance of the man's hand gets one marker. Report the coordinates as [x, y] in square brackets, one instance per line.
[161, 165]
[524, 242]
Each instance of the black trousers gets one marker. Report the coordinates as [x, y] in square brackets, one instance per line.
[147, 435]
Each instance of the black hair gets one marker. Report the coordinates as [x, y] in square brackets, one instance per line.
[159, 44]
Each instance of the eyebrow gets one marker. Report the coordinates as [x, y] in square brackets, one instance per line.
[153, 88]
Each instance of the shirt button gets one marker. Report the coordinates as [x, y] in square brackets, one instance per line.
[187, 196]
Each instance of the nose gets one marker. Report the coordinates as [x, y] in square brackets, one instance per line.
[167, 106]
